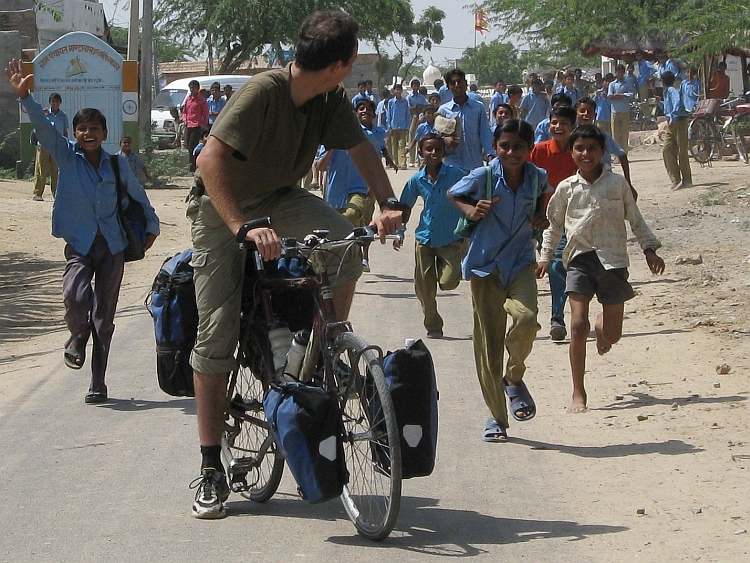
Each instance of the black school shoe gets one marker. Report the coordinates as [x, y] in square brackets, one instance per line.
[96, 397]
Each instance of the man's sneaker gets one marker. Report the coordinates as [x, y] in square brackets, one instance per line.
[38, 198]
[365, 265]
[212, 492]
[557, 333]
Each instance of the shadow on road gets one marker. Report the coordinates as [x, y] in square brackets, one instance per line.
[669, 447]
[187, 405]
[30, 293]
[424, 527]
[644, 399]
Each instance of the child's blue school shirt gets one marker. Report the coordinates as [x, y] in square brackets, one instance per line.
[445, 95]
[496, 99]
[617, 87]
[417, 100]
[398, 114]
[645, 71]
[673, 106]
[359, 96]
[86, 200]
[603, 106]
[422, 130]
[475, 134]
[542, 132]
[215, 105]
[536, 108]
[343, 177]
[574, 94]
[439, 216]
[690, 90]
[503, 239]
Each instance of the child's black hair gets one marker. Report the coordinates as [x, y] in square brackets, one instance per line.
[514, 89]
[89, 114]
[126, 137]
[365, 102]
[588, 132]
[668, 79]
[589, 101]
[506, 106]
[430, 137]
[517, 127]
[560, 98]
[205, 130]
[566, 112]
[55, 96]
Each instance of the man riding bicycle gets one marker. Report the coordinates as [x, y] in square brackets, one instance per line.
[261, 145]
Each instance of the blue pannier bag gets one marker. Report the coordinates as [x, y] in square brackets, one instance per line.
[410, 376]
[173, 308]
[306, 423]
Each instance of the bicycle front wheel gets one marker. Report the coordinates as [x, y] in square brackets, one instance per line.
[742, 136]
[371, 439]
[701, 139]
[254, 462]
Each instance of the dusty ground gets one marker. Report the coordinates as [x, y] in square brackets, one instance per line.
[665, 432]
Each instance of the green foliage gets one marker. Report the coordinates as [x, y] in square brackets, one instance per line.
[712, 197]
[492, 61]
[166, 49]
[712, 26]
[44, 7]
[165, 165]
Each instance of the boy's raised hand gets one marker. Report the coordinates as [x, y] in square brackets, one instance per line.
[655, 262]
[482, 208]
[18, 81]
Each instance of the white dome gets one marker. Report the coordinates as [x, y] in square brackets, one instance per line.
[431, 74]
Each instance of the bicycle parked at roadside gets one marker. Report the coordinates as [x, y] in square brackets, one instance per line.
[643, 115]
[336, 359]
[716, 126]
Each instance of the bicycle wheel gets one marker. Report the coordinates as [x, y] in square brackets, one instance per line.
[741, 128]
[254, 462]
[649, 124]
[701, 137]
[371, 440]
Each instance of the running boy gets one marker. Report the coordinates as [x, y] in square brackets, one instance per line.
[437, 250]
[592, 207]
[425, 127]
[85, 216]
[500, 267]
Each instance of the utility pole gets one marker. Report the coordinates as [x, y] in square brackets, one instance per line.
[147, 57]
[133, 31]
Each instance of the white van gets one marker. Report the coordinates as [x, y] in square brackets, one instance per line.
[173, 96]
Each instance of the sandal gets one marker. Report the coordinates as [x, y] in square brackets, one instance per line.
[494, 431]
[75, 352]
[520, 400]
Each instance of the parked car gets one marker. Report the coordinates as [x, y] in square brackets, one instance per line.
[173, 95]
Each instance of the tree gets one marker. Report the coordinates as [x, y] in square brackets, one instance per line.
[492, 61]
[712, 26]
[406, 36]
[166, 49]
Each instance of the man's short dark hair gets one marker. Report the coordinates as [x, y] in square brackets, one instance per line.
[215, 85]
[455, 72]
[326, 38]
[438, 83]
[194, 83]
[588, 132]
[89, 114]
[514, 90]
[362, 83]
[620, 66]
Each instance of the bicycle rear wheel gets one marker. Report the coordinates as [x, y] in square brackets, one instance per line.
[254, 462]
[701, 135]
[371, 440]
[742, 136]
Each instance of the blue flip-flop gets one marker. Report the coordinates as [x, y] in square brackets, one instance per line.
[494, 431]
[520, 399]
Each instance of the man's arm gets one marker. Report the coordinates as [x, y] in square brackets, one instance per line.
[213, 162]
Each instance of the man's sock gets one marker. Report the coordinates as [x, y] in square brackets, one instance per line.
[211, 458]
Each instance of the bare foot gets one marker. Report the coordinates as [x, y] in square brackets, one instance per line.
[578, 403]
[602, 346]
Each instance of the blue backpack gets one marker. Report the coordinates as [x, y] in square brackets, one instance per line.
[173, 308]
[306, 423]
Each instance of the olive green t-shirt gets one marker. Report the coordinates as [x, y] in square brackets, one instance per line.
[275, 142]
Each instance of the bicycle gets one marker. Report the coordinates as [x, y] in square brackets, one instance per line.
[715, 126]
[643, 115]
[336, 359]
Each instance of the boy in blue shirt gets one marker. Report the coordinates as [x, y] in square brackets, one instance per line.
[437, 250]
[427, 126]
[136, 162]
[603, 105]
[215, 102]
[417, 103]
[44, 164]
[535, 105]
[620, 93]
[86, 216]
[568, 87]
[398, 118]
[690, 89]
[646, 72]
[675, 152]
[500, 96]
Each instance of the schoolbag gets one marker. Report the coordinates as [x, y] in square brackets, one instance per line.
[305, 421]
[410, 376]
[173, 308]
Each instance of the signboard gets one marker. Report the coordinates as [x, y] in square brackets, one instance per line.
[87, 72]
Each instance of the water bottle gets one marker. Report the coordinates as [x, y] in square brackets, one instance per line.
[296, 355]
[281, 339]
[409, 342]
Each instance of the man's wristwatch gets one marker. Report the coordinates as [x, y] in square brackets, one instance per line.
[396, 205]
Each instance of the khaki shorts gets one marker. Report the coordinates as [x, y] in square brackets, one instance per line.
[219, 264]
[359, 209]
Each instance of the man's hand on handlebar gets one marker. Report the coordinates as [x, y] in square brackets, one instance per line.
[259, 232]
[388, 223]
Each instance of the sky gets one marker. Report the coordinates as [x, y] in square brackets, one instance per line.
[458, 26]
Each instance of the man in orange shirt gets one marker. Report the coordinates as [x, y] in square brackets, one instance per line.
[555, 157]
[719, 83]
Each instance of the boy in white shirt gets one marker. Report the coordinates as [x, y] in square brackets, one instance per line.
[591, 208]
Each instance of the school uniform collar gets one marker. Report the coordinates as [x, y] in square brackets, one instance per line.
[583, 181]
[422, 174]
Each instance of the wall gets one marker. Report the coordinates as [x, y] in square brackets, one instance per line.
[10, 48]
